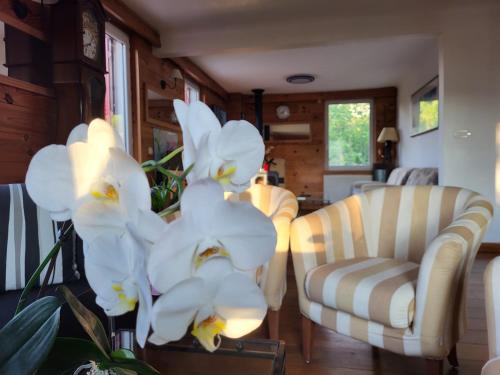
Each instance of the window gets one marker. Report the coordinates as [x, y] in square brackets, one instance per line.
[117, 100]
[191, 92]
[349, 134]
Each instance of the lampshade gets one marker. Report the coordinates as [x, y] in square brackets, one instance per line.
[176, 74]
[388, 134]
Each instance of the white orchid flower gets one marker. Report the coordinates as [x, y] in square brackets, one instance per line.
[219, 300]
[93, 181]
[231, 154]
[59, 175]
[115, 267]
[210, 227]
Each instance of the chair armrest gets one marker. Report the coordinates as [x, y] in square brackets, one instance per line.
[273, 279]
[438, 287]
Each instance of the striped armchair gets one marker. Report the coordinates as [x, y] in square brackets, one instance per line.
[281, 206]
[492, 299]
[389, 267]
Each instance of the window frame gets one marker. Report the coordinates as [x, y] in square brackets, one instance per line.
[192, 84]
[120, 35]
[371, 145]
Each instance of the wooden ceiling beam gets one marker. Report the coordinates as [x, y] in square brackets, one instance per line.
[198, 75]
[121, 13]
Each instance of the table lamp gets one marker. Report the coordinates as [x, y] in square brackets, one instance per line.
[387, 137]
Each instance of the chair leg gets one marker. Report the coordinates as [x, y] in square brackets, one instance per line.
[434, 367]
[453, 358]
[273, 324]
[307, 338]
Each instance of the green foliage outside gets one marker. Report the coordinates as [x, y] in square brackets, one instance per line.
[348, 134]
[428, 117]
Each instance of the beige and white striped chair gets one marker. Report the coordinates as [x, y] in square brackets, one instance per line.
[389, 267]
[492, 299]
[281, 206]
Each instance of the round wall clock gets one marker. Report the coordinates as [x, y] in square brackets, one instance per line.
[283, 112]
[90, 33]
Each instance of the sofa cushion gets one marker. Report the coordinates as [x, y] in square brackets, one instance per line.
[376, 289]
[399, 176]
[423, 176]
[27, 234]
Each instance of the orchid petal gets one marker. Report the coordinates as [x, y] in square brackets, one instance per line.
[49, 180]
[201, 121]
[144, 310]
[78, 134]
[149, 226]
[201, 196]
[102, 134]
[189, 153]
[241, 303]
[93, 218]
[241, 143]
[213, 272]
[174, 311]
[246, 233]
[171, 257]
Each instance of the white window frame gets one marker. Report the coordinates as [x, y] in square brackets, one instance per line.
[193, 85]
[371, 141]
[123, 37]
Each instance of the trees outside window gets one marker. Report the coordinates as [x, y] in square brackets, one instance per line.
[349, 134]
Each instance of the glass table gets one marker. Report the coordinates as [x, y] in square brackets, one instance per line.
[187, 356]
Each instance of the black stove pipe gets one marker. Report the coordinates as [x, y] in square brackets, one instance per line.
[259, 120]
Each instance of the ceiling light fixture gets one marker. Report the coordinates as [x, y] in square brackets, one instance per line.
[300, 79]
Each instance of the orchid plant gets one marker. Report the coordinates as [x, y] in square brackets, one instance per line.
[203, 264]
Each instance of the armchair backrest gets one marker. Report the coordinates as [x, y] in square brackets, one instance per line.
[404, 220]
[27, 234]
[269, 199]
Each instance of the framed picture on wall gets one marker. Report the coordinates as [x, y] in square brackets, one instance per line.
[425, 108]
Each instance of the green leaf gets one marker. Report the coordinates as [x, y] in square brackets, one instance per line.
[170, 210]
[134, 365]
[122, 353]
[36, 275]
[69, 353]
[89, 321]
[170, 156]
[28, 337]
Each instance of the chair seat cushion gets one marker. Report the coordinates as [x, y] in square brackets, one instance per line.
[376, 289]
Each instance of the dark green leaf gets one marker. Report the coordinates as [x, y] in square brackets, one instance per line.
[28, 337]
[122, 353]
[69, 353]
[89, 321]
[134, 365]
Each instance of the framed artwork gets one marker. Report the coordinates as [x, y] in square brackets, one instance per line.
[425, 108]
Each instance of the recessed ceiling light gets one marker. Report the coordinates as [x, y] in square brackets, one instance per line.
[300, 79]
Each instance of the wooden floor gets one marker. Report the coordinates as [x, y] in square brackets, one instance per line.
[334, 354]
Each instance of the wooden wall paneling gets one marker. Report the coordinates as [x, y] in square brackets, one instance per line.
[305, 162]
[27, 116]
[148, 71]
[36, 22]
[199, 76]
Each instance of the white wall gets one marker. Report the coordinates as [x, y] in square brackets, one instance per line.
[338, 187]
[470, 86]
[422, 150]
[3, 69]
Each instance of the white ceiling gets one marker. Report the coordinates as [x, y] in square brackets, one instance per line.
[355, 65]
[245, 44]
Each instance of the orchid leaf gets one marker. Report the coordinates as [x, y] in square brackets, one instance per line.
[89, 321]
[135, 365]
[170, 156]
[28, 337]
[69, 353]
[122, 353]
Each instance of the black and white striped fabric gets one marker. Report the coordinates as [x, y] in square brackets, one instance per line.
[27, 234]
